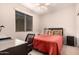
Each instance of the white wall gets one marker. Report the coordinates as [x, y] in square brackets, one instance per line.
[7, 18]
[64, 18]
[77, 23]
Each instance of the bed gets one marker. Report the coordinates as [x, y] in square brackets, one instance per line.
[51, 42]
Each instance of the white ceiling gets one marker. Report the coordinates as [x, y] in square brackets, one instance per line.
[51, 7]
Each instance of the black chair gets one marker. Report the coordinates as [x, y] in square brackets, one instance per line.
[29, 38]
[29, 41]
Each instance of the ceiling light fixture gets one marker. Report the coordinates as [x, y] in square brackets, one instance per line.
[38, 7]
[41, 6]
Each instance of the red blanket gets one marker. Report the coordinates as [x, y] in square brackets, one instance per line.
[48, 44]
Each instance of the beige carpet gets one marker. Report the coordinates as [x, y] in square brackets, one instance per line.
[69, 50]
[66, 50]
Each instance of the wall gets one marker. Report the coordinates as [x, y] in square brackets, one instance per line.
[63, 18]
[66, 18]
[77, 23]
[7, 18]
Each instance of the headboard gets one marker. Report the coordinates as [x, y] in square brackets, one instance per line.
[53, 31]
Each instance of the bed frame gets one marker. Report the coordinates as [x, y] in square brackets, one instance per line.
[53, 31]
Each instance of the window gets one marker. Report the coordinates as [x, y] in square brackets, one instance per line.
[23, 22]
[29, 23]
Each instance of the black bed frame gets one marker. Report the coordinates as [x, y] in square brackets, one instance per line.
[54, 29]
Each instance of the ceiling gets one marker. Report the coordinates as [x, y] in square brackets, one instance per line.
[50, 8]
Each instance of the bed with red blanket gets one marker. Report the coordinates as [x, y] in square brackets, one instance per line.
[51, 44]
[48, 44]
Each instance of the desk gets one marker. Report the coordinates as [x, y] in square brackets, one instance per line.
[48, 44]
[13, 47]
[8, 43]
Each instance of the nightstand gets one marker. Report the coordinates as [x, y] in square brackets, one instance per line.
[70, 40]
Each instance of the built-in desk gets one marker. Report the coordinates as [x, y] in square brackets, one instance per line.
[13, 47]
[4, 44]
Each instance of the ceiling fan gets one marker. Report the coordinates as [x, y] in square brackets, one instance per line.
[38, 7]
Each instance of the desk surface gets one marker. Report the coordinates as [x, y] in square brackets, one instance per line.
[4, 44]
